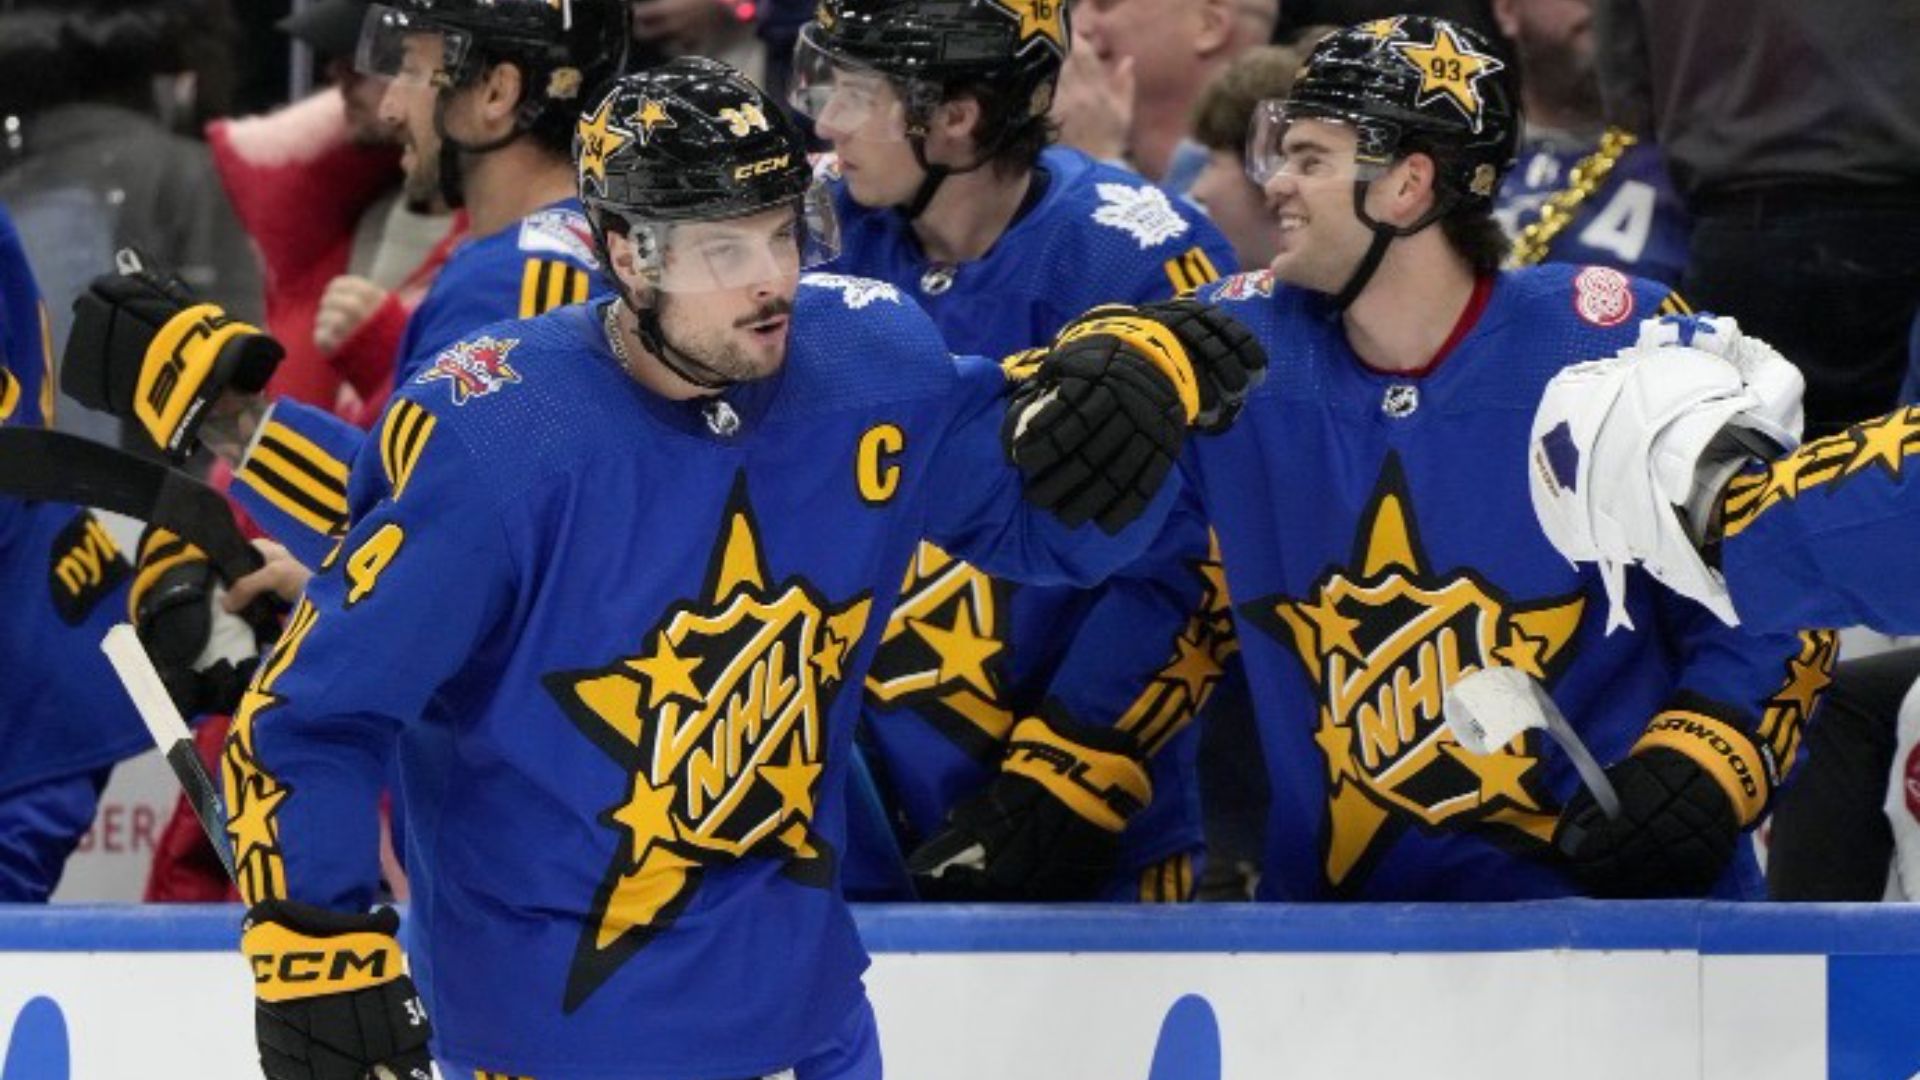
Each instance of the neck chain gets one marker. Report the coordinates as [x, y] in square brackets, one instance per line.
[1558, 211]
[616, 340]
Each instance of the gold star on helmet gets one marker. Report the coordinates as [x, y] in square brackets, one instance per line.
[599, 140]
[1380, 28]
[650, 115]
[1452, 69]
[1042, 19]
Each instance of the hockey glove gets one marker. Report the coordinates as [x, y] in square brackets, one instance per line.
[1047, 827]
[144, 347]
[205, 655]
[332, 1002]
[1688, 788]
[1227, 362]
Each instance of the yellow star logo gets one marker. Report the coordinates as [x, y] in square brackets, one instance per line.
[1381, 639]
[1450, 68]
[669, 675]
[963, 650]
[1380, 28]
[599, 140]
[1806, 679]
[728, 684]
[650, 115]
[1884, 441]
[1044, 20]
[250, 827]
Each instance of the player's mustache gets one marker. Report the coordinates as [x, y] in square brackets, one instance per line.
[770, 310]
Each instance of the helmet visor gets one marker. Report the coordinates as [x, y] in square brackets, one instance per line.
[407, 49]
[843, 98]
[739, 252]
[1309, 145]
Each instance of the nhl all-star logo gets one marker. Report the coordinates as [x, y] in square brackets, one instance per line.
[1381, 639]
[716, 717]
[857, 292]
[1141, 212]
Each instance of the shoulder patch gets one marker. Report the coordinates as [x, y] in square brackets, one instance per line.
[1245, 286]
[1603, 296]
[1141, 211]
[559, 232]
[473, 368]
[857, 292]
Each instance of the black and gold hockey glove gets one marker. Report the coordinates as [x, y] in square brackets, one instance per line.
[332, 1001]
[145, 348]
[1047, 827]
[204, 655]
[1687, 790]
[1097, 426]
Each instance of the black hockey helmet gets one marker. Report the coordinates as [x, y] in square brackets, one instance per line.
[565, 48]
[1412, 82]
[927, 46]
[693, 140]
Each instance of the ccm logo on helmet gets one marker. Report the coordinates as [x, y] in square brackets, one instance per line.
[305, 966]
[761, 168]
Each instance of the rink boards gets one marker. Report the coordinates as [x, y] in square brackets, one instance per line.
[1568, 990]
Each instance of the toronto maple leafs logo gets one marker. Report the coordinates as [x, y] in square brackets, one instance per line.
[1141, 212]
[858, 292]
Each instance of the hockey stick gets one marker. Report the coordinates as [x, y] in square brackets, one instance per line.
[1491, 707]
[169, 731]
[56, 467]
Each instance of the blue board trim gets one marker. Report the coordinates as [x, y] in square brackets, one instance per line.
[1708, 927]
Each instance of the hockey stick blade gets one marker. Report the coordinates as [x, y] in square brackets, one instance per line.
[169, 731]
[56, 467]
[1489, 708]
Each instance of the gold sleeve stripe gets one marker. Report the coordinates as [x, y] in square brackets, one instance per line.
[9, 394]
[1885, 443]
[1169, 881]
[1784, 720]
[1674, 304]
[1724, 751]
[1191, 270]
[47, 396]
[403, 436]
[253, 795]
[546, 284]
[297, 477]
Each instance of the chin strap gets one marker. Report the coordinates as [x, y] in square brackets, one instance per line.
[1383, 234]
[452, 183]
[937, 174]
[654, 337]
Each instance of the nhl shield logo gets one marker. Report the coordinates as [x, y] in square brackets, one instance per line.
[1381, 640]
[719, 721]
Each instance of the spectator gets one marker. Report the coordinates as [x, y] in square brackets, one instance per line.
[1794, 140]
[1220, 120]
[1176, 47]
[88, 167]
[1582, 192]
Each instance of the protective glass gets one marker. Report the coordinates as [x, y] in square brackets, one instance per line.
[1308, 154]
[382, 49]
[735, 253]
[842, 97]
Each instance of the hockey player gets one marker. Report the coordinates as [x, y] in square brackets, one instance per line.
[1390, 547]
[63, 719]
[485, 93]
[609, 600]
[947, 190]
[1682, 487]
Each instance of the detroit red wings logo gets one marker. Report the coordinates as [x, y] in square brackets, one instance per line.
[1603, 296]
[473, 368]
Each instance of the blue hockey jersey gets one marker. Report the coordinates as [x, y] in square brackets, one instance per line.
[620, 655]
[62, 711]
[293, 481]
[1379, 542]
[1823, 537]
[1633, 221]
[966, 656]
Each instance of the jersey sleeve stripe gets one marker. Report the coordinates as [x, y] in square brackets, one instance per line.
[530, 288]
[323, 465]
[582, 286]
[9, 394]
[402, 438]
[293, 490]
